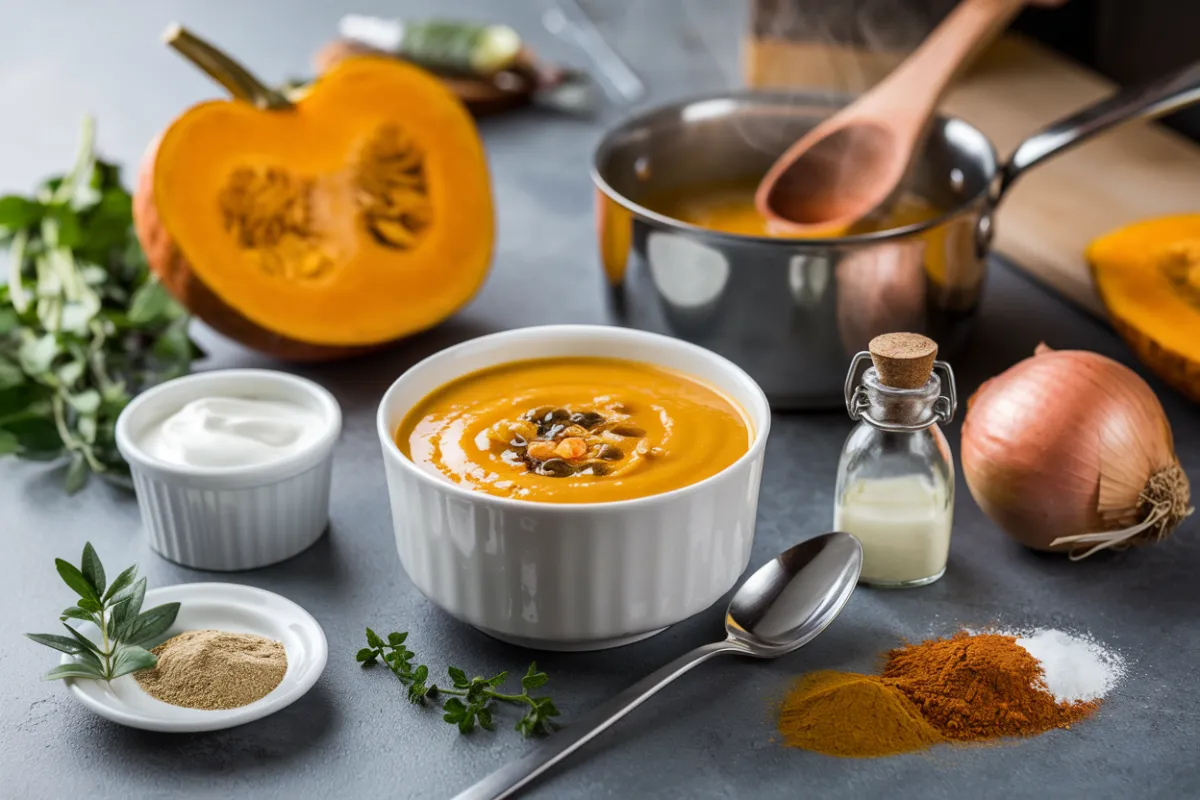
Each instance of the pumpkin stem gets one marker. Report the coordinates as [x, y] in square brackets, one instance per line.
[223, 69]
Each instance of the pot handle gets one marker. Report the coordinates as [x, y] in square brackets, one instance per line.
[1152, 99]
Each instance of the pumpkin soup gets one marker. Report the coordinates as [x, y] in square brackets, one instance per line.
[729, 208]
[575, 430]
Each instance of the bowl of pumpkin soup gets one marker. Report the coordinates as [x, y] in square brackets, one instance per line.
[574, 487]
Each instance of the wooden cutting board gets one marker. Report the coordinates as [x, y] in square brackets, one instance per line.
[1135, 171]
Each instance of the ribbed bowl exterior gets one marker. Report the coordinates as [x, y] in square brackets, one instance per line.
[564, 577]
[234, 529]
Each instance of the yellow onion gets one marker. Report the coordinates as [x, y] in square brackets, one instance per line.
[1071, 451]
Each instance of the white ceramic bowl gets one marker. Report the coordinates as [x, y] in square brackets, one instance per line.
[231, 518]
[573, 576]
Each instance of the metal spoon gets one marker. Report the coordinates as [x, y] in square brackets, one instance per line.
[782, 607]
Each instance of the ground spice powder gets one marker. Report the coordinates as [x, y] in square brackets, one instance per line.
[815, 714]
[214, 669]
[967, 688]
[973, 687]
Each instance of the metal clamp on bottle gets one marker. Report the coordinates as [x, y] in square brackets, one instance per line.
[858, 399]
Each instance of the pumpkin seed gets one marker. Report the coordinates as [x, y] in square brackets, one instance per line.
[537, 413]
[625, 429]
[588, 419]
[610, 453]
[598, 468]
[556, 468]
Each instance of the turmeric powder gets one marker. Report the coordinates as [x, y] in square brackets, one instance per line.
[852, 715]
[967, 688]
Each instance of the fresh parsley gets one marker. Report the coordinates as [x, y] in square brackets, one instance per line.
[116, 611]
[83, 324]
[472, 700]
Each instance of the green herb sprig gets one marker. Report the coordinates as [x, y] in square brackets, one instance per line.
[116, 609]
[472, 700]
[83, 324]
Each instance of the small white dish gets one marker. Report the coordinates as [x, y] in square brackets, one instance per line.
[573, 576]
[237, 517]
[217, 606]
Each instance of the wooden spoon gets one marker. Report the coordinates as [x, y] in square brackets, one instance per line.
[851, 165]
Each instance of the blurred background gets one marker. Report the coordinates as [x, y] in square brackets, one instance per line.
[60, 59]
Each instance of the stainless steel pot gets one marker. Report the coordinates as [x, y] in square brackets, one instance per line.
[792, 312]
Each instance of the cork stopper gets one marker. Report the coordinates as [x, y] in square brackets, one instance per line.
[903, 360]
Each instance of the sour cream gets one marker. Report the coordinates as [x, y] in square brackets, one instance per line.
[232, 432]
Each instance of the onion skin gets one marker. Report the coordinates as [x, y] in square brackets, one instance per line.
[1065, 443]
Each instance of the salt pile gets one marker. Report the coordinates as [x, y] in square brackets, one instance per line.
[1078, 668]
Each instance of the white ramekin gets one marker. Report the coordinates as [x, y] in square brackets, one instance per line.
[573, 576]
[231, 518]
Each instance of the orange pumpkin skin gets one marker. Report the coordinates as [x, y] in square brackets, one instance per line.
[189, 281]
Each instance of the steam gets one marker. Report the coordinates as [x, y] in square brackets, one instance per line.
[830, 50]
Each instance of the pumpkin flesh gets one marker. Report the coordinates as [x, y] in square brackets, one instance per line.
[1148, 276]
[358, 216]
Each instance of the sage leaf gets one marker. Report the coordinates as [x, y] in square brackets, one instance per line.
[10, 374]
[149, 303]
[77, 473]
[90, 605]
[152, 623]
[76, 670]
[60, 643]
[8, 443]
[86, 402]
[127, 606]
[18, 212]
[88, 428]
[75, 612]
[74, 578]
[35, 435]
[90, 658]
[70, 372]
[92, 569]
[131, 658]
[87, 643]
[120, 582]
[37, 353]
[9, 320]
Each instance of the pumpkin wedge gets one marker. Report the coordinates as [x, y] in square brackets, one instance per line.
[1148, 275]
[324, 225]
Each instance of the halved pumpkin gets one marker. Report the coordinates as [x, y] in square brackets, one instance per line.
[1148, 275]
[346, 218]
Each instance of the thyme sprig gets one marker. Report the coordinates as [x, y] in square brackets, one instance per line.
[471, 701]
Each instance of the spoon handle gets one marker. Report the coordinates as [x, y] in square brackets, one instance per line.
[919, 82]
[512, 777]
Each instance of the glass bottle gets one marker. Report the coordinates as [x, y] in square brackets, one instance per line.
[895, 481]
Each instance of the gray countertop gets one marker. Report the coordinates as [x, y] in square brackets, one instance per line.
[710, 735]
